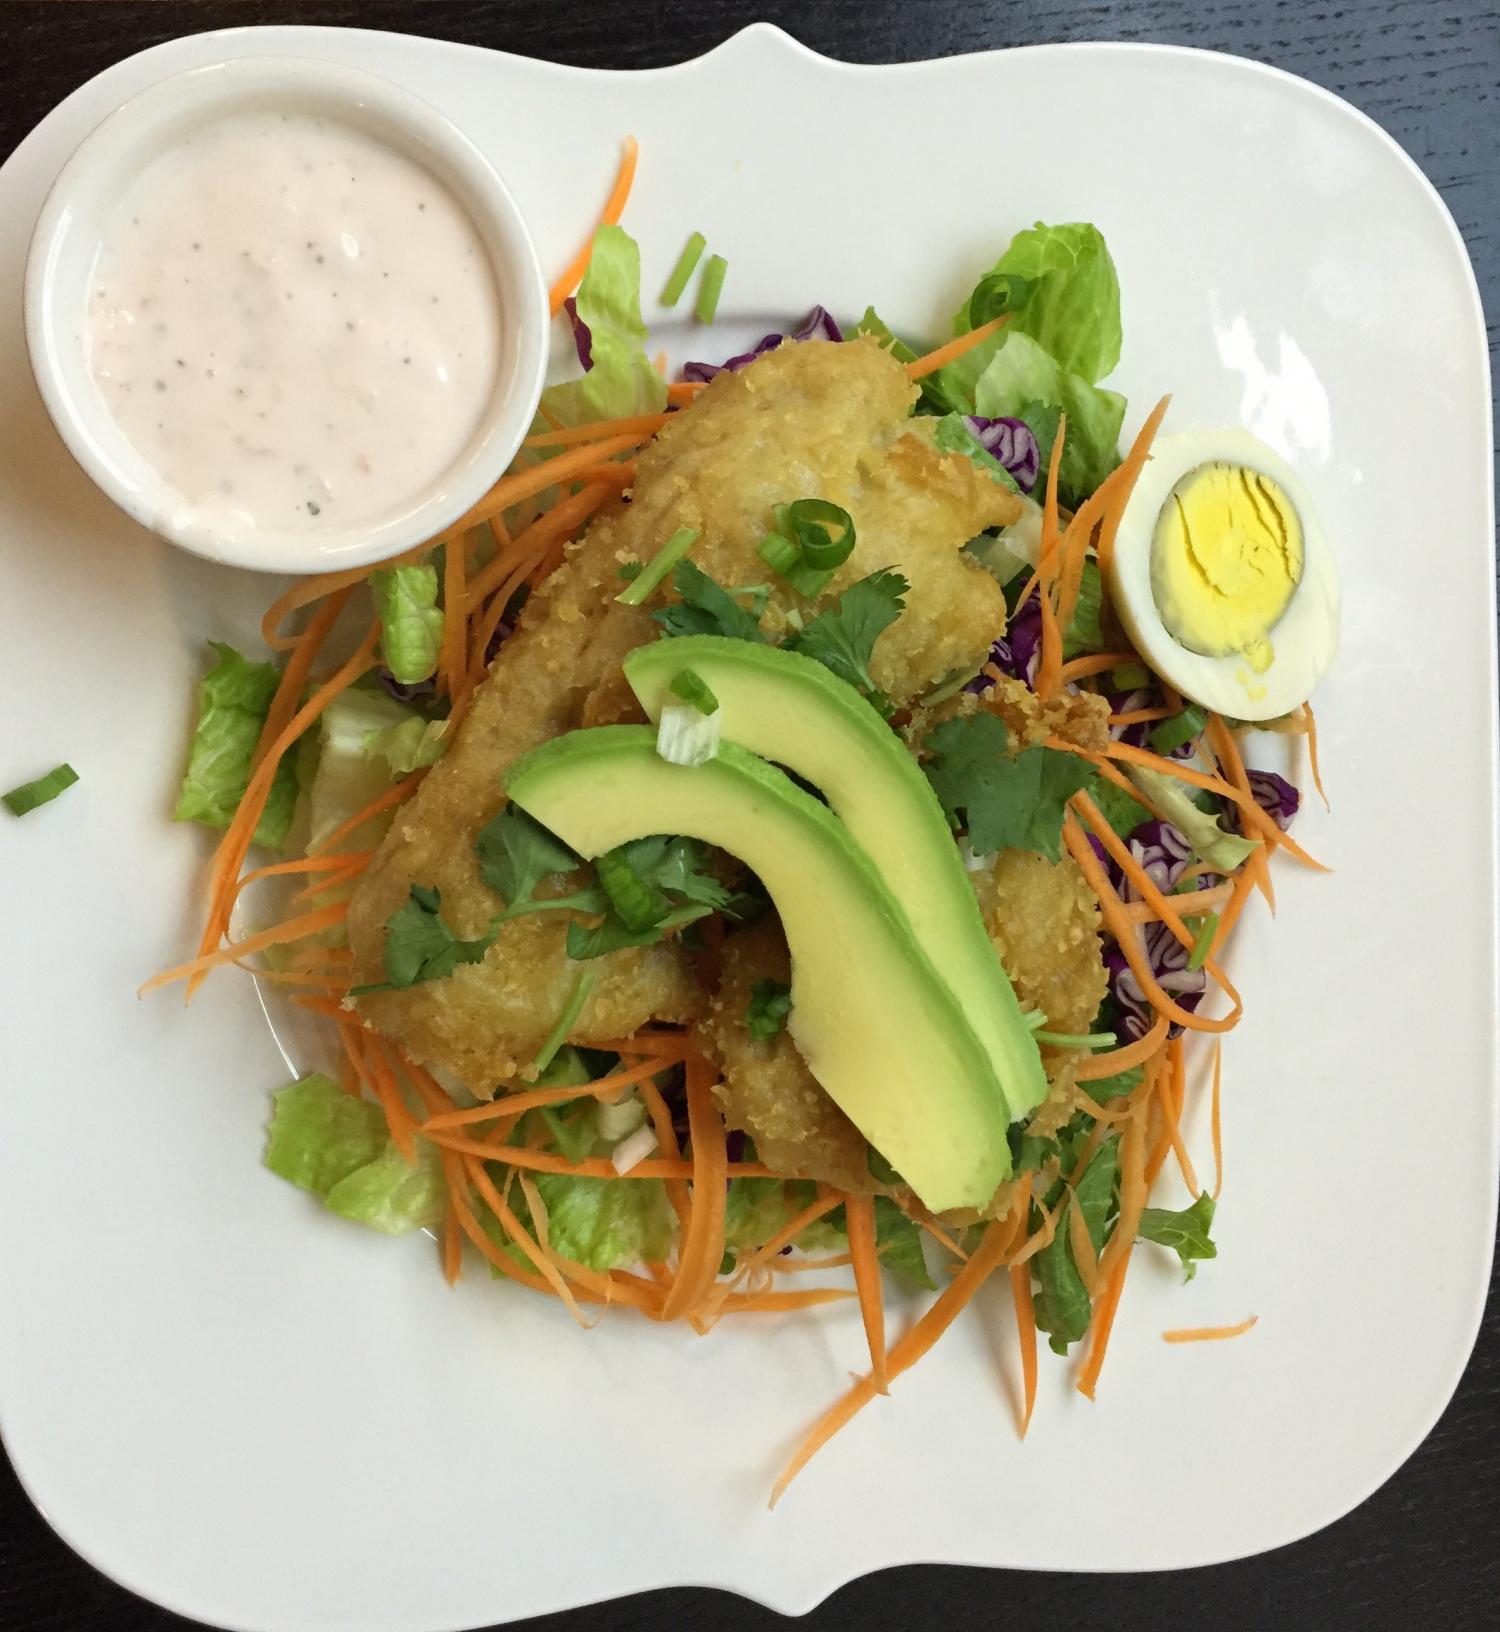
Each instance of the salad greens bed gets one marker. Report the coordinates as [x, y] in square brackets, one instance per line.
[1000, 404]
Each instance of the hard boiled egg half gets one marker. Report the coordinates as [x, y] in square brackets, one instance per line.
[1222, 575]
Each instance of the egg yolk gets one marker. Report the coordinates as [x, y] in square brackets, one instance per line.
[1226, 559]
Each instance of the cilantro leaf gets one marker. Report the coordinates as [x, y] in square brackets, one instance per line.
[614, 933]
[843, 637]
[419, 946]
[1185, 1231]
[1063, 1308]
[765, 1015]
[899, 1243]
[678, 866]
[516, 853]
[1003, 802]
[705, 608]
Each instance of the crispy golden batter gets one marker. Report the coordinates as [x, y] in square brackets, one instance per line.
[1079, 717]
[767, 1090]
[810, 420]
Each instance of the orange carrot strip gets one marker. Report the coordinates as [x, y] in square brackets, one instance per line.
[1208, 1334]
[1074, 549]
[334, 881]
[1099, 1066]
[1115, 1262]
[306, 864]
[647, 1043]
[666, 1139]
[1080, 668]
[907, 1351]
[452, 670]
[1020, 1291]
[1311, 725]
[1227, 752]
[614, 207]
[525, 484]
[522, 566]
[307, 590]
[294, 676]
[1140, 716]
[642, 426]
[516, 1104]
[392, 796]
[684, 393]
[1085, 1258]
[294, 929]
[1243, 884]
[399, 1120]
[859, 1211]
[1124, 932]
[540, 1256]
[1122, 482]
[1171, 1105]
[919, 367]
[1050, 666]
[739, 1303]
[702, 1248]
[1197, 905]
[453, 1247]
[232, 849]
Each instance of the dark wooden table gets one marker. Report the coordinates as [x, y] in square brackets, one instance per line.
[1424, 1552]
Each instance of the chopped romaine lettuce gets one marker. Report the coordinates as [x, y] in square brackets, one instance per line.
[365, 739]
[411, 624]
[1217, 849]
[233, 700]
[336, 1146]
[1072, 304]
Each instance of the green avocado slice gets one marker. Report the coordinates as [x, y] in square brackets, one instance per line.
[878, 1027]
[793, 711]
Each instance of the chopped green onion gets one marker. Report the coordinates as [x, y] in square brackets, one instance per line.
[1191, 722]
[685, 736]
[778, 553]
[811, 521]
[1129, 677]
[1059, 1039]
[996, 293]
[683, 270]
[41, 792]
[756, 594]
[711, 288]
[657, 568]
[1205, 939]
[694, 691]
[565, 1023]
[949, 686]
[1034, 1019]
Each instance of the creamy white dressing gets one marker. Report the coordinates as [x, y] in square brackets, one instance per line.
[296, 326]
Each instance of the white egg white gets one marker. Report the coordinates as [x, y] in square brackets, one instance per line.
[1304, 639]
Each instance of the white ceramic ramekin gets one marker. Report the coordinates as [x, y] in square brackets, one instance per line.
[66, 245]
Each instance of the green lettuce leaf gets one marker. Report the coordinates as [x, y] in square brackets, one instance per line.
[335, 1146]
[411, 625]
[233, 699]
[601, 1222]
[899, 1243]
[1072, 308]
[354, 763]
[1020, 374]
[1185, 1231]
[411, 745]
[621, 379]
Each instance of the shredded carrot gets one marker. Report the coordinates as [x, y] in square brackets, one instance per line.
[513, 1105]
[1074, 548]
[1116, 1060]
[1171, 1104]
[739, 1303]
[919, 367]
[614, 208]
[1227, 752]
[1141, 716]
[522, 564]
[640, 426]
[539, 1256]
[821, 1205]
[1124, 932]
[387, 1088]
[1208, 1334]
[294, 929]
[288, 691]
[949, 1304]
[1229, 917]
[1020, 1291]
[684, 393]
[453, 1248]
[1050, 666]
[646, 1044]
[395, 795]
[804, 1266]
[559, 522]
[334, 881]
[666, 1138]
[1218, 1137]
[702, 1247]
[307, 590]
[1115, 1261]
[1081, 668]
[1085, 1258]
[859, 1212]
[941, 1236]
[452, 669]
[1197, 905]
[1312, 752]
[534, 479]
[1122, 482]
[307, 864]
[230, 855]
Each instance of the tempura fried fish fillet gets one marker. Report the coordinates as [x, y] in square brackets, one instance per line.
[811, 420]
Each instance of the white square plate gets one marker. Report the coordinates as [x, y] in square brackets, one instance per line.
[265, 1418]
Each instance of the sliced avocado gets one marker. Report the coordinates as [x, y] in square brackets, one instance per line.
[792, 710]
[878, 1027]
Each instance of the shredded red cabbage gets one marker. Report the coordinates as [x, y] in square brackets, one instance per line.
[819, 324]
[583, 337]
[1164, 855]
[1276, 796]
[1012, 443]
[1019, 650]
